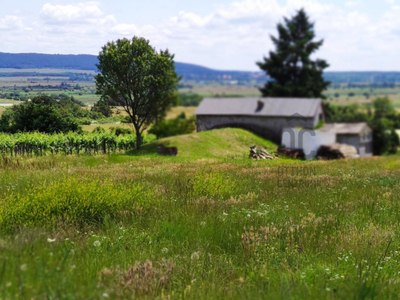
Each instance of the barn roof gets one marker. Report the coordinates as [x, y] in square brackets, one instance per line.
[265, 107]
[345, 128]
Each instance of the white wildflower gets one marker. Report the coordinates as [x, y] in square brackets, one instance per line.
[164, 250]
[24, 267]
[195, 256]
[97, 244]
[51, 240]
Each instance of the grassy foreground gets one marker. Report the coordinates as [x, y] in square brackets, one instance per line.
[199, 227]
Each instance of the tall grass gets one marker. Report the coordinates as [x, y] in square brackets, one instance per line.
[122, 227]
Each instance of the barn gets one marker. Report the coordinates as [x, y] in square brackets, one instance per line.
[266, 117]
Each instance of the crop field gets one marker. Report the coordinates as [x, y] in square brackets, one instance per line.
[209, 223]
[25, 83]
[213, 90]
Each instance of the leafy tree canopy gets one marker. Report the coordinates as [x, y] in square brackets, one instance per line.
[292, 71]
[34, 116]
[138, 78]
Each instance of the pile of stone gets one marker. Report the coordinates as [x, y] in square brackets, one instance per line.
[257, 153]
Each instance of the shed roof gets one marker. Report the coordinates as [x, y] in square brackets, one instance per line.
[345, 128]
[271, 107]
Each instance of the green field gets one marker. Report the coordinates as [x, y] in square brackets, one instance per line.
[207, 224]
[340, 95]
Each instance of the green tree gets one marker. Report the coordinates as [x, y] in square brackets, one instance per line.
[381, 135]
[394, 141]
[292, 72]
[138, 78]
[31, 116]
[102, 107]
[384, 108]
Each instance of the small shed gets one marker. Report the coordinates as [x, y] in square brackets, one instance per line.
[358, 135]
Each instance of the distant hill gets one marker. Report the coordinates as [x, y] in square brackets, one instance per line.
[52, 61]
[187, 71]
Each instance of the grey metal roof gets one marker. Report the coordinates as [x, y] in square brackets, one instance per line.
[345, 128]
[271, 107]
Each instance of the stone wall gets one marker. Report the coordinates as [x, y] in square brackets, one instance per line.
[267, 127]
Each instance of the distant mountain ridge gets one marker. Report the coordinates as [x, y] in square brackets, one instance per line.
[187, 71]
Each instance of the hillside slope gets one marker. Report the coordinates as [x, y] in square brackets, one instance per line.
[218, 143]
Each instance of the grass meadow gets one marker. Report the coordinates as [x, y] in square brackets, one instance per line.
[209, 223]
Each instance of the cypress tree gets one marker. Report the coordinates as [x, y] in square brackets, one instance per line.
[292, 72]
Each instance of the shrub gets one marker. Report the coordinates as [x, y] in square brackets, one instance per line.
[179, 125]
[189, 99]
[121, 131]
[31, 116]
[84, 121]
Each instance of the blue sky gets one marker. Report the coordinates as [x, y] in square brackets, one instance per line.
[223, 34]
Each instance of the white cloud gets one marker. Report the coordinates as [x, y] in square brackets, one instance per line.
[11, 23]
[355, 3]
[73, 13]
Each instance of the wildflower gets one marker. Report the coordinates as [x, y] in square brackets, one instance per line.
[194, 280]
[203, 223]
[164, 250]
[105, 295]
[328, 289]
[344, 188]
[24, 267]
[51, 240]
[195, 256]
[97, 244]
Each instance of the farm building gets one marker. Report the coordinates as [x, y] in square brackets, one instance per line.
[266, 117]
[358, 135]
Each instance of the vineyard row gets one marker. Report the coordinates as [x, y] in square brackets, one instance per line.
[38, 144]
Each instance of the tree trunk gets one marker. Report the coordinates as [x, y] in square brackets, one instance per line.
[138, 139]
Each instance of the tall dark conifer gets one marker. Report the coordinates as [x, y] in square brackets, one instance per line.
[292, 72]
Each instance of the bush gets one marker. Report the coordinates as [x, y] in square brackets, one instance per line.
[189, 99]
[31, 116]
[179, 125]
[84, 121]
[121, 131]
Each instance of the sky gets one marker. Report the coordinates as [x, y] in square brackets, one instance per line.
[359, 35]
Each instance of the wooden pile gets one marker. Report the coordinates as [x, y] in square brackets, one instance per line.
[169, 151]
[295, 153]
[257, 153]
[336, 151]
